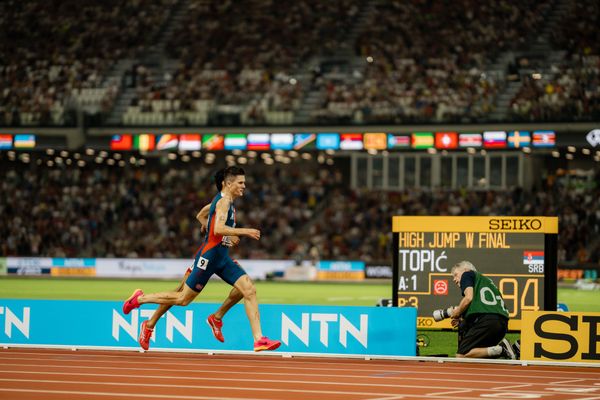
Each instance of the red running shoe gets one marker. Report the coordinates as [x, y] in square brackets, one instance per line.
[132, 301]
[266, 344]
[145, 335]
[215, 325]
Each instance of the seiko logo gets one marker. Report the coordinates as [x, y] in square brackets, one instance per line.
[515, 224]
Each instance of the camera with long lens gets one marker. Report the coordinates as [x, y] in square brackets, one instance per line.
[442, 314]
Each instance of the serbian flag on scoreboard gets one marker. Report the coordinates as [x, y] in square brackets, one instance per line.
[446, 140]
[470, 140]
[533, 257]
[517, 139]
[544, 139]
[494, 140]
[351, 141]
[121, 142]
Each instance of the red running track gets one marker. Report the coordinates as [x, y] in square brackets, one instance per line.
[27, 374]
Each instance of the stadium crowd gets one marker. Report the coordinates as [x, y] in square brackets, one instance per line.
[429, 61]
[305, 210]
[50, 50]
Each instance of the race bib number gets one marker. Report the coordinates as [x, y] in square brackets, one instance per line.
[202, 263]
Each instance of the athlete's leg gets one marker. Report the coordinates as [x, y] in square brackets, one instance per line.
[234, 297]
[181, 298]
[163, 308]
[246, 287]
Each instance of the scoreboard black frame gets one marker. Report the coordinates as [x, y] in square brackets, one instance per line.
[518, 253]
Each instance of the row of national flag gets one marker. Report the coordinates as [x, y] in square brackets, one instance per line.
[8, 142]
[335, 141]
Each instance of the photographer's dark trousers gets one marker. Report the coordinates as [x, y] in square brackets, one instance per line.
[481, 330]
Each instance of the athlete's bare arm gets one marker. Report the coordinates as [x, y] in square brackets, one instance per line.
[202, 217]
[221, 218]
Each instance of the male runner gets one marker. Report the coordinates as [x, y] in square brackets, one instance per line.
[211, 258]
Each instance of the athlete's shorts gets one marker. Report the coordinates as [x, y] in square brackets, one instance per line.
[483, 330]
[211, 263]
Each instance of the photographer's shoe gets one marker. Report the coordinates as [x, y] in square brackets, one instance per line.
[507, 350]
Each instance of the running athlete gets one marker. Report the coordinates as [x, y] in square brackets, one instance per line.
[214, 320]
[213, 258]
[481, 316]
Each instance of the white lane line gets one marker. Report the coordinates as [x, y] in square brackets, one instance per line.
[178, 386]
[115, 394]
[457, 391]
[514, 386]
[567, 381]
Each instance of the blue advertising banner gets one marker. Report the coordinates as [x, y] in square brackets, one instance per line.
[301, 329]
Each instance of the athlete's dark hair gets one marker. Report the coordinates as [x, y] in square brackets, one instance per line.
[232, 171]
[219, 178]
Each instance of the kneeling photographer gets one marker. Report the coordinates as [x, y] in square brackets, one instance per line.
[481, 316]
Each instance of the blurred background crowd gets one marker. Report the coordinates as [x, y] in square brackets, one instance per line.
[198, 62]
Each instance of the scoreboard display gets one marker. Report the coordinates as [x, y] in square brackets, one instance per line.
[517, 253]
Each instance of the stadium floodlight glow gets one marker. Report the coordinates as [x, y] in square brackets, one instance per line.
[571, 149]
[293, 81]
[370, 59]
[587, 152]
[536, 75]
